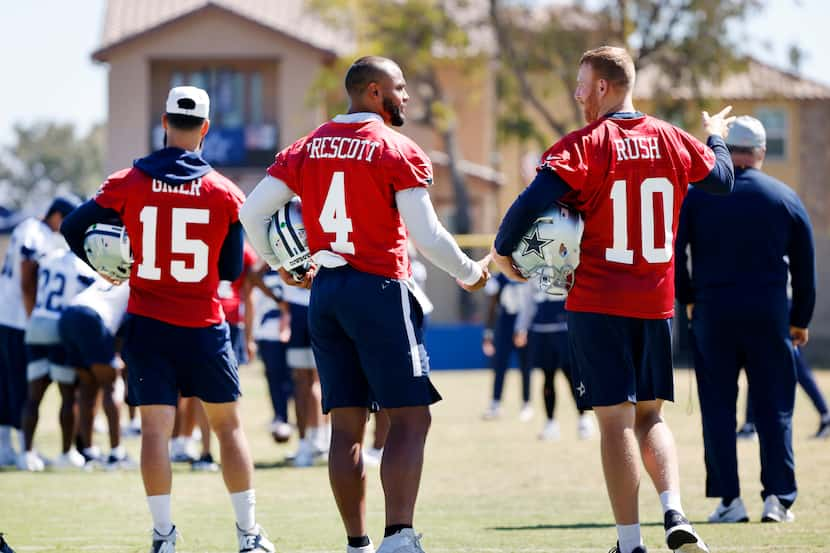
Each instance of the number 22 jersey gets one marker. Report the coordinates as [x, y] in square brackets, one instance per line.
[628, 175]
[347, 172]
[176, 234]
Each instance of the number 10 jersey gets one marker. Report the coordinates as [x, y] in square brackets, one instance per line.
[628, 176]
[347, 172]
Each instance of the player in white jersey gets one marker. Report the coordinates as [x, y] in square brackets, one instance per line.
[271, 331]
[312, 425]
[87, 329]
[61, 276]
[30, 240]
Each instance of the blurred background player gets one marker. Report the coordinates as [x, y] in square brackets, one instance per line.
[30, 240]
[506, 299]
[61, 276]
[364, 189]
[542, 327]
[88, 327]
[622, 301]
[312, 425]
[272, 331]
[182, 219]
[743, 249]
[238, 307]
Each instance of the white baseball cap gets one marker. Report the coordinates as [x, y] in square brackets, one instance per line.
[747, 132]
[188, 100]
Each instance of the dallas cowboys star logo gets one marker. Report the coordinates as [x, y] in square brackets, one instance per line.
[581, 389]
[534, 244]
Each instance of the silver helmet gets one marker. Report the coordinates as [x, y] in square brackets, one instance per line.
[549, 250]
[287, 236]
[107, 248]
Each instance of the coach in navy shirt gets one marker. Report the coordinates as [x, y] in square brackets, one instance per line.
[743, 247]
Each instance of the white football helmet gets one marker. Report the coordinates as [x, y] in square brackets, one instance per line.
[549, 250]
[107, 248]
[287, 236]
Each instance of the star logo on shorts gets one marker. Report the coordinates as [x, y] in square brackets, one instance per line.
[534, 244]
[581, 389]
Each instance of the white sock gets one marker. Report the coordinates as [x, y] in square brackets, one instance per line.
[119, 452]
[671, 500]
[160, 511]
[5, 437]
[244, 505]
[629, 537]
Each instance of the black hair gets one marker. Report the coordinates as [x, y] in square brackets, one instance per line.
[184, 122]
[365, 70]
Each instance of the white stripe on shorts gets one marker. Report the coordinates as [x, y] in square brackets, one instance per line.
[410, 331]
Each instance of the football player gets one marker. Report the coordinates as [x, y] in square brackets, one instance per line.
[87, 329]
[30, 240]
[506, 299]
[182, 219]
[364, 189]
[627, 174]
[61, 276]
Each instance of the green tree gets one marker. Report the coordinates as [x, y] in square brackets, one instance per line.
[687, 42]
[424, 37]
[50, 158]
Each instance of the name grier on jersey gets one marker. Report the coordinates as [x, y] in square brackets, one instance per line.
[639, 147]
[341, 147]
[192, 188]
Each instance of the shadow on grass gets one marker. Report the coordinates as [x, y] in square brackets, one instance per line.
[571, 526]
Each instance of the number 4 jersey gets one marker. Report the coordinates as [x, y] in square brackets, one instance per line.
[176, 234]
[347, 172]
[628, 177]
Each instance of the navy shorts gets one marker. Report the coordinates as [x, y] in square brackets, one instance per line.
[13, 384]
[166, 360]
[548, 350]
[49, 360]
[299, 354]
[619, 359]
[85, 337]
[368, 342]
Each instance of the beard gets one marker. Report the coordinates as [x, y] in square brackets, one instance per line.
[396, 116]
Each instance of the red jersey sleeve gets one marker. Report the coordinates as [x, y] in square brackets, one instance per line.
[568, 159]
[407, 166]
[236, 197]
[287, 164]
[113, 193]
[701, 158]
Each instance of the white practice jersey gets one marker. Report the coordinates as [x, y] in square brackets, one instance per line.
[512, 294]
[108, 300]
[30, 240]
[266, 311]
[60, 277]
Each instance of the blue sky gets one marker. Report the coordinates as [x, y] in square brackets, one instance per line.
[48, 73]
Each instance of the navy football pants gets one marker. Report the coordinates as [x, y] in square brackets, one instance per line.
[503, 344]
[13, 384]
[725, 340]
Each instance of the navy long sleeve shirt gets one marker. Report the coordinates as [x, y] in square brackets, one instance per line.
[744, 245]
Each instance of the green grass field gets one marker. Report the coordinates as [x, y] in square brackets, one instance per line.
[487, 487]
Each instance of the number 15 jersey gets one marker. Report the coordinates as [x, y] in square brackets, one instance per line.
[628, 176]
[347, 172]
[176, 234]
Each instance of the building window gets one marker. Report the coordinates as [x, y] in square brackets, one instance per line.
[775, 121]
[243, 130]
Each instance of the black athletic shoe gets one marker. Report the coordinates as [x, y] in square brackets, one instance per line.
[680, 536]
[5, 547]
[638, 549]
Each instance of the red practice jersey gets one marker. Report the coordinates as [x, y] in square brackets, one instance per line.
[347, 174]
[628, 178]
[176, 234]
[230, 292]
